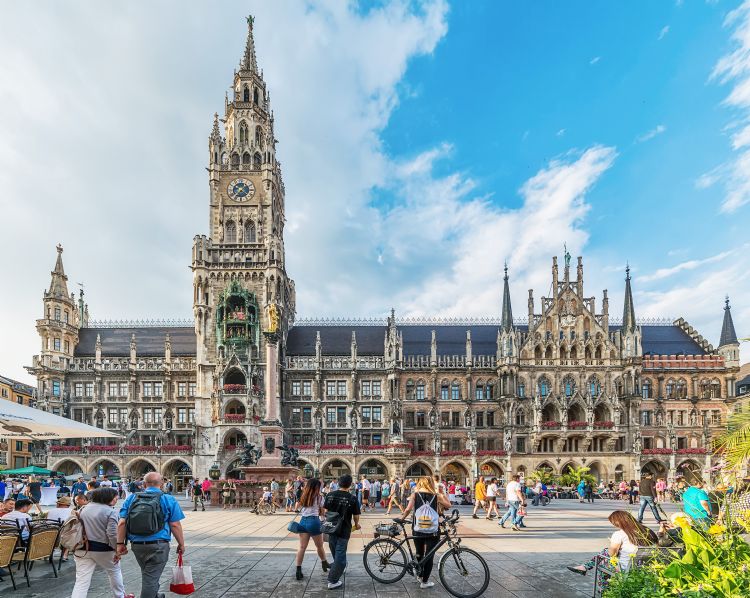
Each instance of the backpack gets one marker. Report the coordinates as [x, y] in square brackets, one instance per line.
[72, 533]
[334, 521]
[426, 517]
[145, 516]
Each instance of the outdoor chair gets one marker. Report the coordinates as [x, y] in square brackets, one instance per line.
[9, 538]
[40, 545]
[603, 568]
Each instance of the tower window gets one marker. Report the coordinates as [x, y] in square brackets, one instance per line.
[249, 232]
[246, 158]
[255, 95]
[246, 94]
[56, 344]
[230, 233]
[259, 137]
[258, 160]
[57, 314]
[235, 160]
[244, 138]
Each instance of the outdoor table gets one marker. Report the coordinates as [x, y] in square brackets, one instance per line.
[49, 495]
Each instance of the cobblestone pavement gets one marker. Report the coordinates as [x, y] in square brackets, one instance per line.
[237, 554]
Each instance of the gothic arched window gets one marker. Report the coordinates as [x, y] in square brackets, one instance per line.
[257, 160]
[249, 232]
[544, 387]
[520, 417]
[235, 160]
[255, 95]
[594, 386]
[246, 158]
[246, 94]
[569, 385]
[455, 392]
[259, 137]
[230, 232]
[243, 133]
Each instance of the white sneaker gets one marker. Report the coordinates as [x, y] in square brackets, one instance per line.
[333, 586]
[426, 584]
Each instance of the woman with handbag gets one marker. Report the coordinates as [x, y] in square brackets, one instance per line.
[99, 522]
[311, 510]
[427, 504]
[228, 493]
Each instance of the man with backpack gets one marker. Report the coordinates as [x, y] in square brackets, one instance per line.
[341, 506]
[148, 519]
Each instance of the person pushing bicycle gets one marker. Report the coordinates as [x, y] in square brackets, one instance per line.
[426, 503]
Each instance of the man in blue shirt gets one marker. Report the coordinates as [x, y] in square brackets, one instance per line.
[79, 487]
[152, 552]
[696, 503]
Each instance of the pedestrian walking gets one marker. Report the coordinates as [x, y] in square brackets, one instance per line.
[140, 517]
[198, 495]
[311, 509]
[275, 493]
[514, 498]
[581, 490]
[661, 486]
[342, 502]
[588, 492]
[206, 485]
[647, 497]
[99, 519]
[480, 495]
[289, 496]
[632, 492]
[426, 503]
[492, 491]
[395, 495]
[366, 488]
[228, 493]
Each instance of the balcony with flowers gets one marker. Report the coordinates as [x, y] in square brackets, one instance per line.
[691, 451]
[335, 448]
[175, 449]
[235, 389]
[66, 449]
[657, 451]
[604, 425]
[491, 453]
[140, 449]
[429, 453]
[463, 453]
[235, 418]
[550, 425]
[99, 449]
[577, 425]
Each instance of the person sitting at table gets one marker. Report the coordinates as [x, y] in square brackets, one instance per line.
[20, 514]
[7, 506]
[623, 544]
[62, 511]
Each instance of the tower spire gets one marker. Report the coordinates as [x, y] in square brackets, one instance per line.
[59, 284]
[215, 133]
[628, 312]
[249, 62]
[507, 319]
[728, 334]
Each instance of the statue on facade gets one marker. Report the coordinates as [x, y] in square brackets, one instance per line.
[637, 443]
[250, 455]
[618, 416]
[273, 318]
[589, 415]
[507, 441]
[693, 418]
[673, 442]
[289, 455]
[471, 443]
[353, 419]
[318, 435]
[660, 418]
[565, 417]
[436, 442]
[395, 426]
[467, 418]
[433, 418]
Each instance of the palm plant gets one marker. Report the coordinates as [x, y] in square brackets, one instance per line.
[734, 444]
[543, 474]
[575, 474]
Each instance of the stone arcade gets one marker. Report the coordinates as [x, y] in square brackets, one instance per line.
[567, 385]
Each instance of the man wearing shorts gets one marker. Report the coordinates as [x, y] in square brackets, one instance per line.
[366, 487]
[491, 497]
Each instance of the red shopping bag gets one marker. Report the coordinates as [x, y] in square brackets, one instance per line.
[182, 578]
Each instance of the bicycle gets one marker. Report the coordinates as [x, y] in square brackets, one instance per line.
[463, 571]
[261, 507]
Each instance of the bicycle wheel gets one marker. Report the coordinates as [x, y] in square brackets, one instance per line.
[545, 501]
[385, 560]
[464, 573]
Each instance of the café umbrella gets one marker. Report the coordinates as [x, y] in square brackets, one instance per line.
[19, 421]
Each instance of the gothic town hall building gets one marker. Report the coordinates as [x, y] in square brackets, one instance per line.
[567, 385]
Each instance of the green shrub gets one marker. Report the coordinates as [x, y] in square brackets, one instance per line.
[639, 582]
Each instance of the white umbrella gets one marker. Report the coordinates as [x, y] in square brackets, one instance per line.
[19, 421]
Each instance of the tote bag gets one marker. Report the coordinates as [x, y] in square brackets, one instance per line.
[182, 578]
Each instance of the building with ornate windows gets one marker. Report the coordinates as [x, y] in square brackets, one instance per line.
[566, 385]
[15, 453]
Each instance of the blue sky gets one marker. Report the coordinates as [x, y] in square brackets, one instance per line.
[423, 144]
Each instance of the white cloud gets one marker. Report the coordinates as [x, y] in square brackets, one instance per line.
[686, 265]
[560, 133]
[663, 32]
[734, 68]
[595, 59]
[657, 130]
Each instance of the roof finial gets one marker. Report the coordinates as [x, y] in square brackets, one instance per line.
[248, 60]
[506, 269]
[627, 270]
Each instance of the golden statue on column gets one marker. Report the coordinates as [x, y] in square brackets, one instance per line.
[273, 318]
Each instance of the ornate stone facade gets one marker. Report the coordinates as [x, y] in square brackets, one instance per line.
[565, 386]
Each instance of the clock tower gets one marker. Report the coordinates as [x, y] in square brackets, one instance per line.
[243, 301]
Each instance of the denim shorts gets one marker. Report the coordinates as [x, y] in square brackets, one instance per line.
[310, 525]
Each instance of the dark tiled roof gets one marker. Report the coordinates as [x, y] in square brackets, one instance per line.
[744, 382]
[451, 340]
[668, 340]
[149, 341]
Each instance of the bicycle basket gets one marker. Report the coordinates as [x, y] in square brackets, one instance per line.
[387, 529]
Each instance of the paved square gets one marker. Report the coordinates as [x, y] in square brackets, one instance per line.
[235, 554]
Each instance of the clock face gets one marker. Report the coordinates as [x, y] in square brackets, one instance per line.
[240, 189]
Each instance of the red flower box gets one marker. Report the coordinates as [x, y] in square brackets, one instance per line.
[140, 448]
[374, 447]
[550, 424]
[234, 388]
[423, 453]
[657, 451]
[66, 448]
[691, 451]
[303, 447]
[607, 425]
[456, 453]
[332, 447]
[491, 452]
[104, 448]
[235, 418]
[577, 424]
[176, 448]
